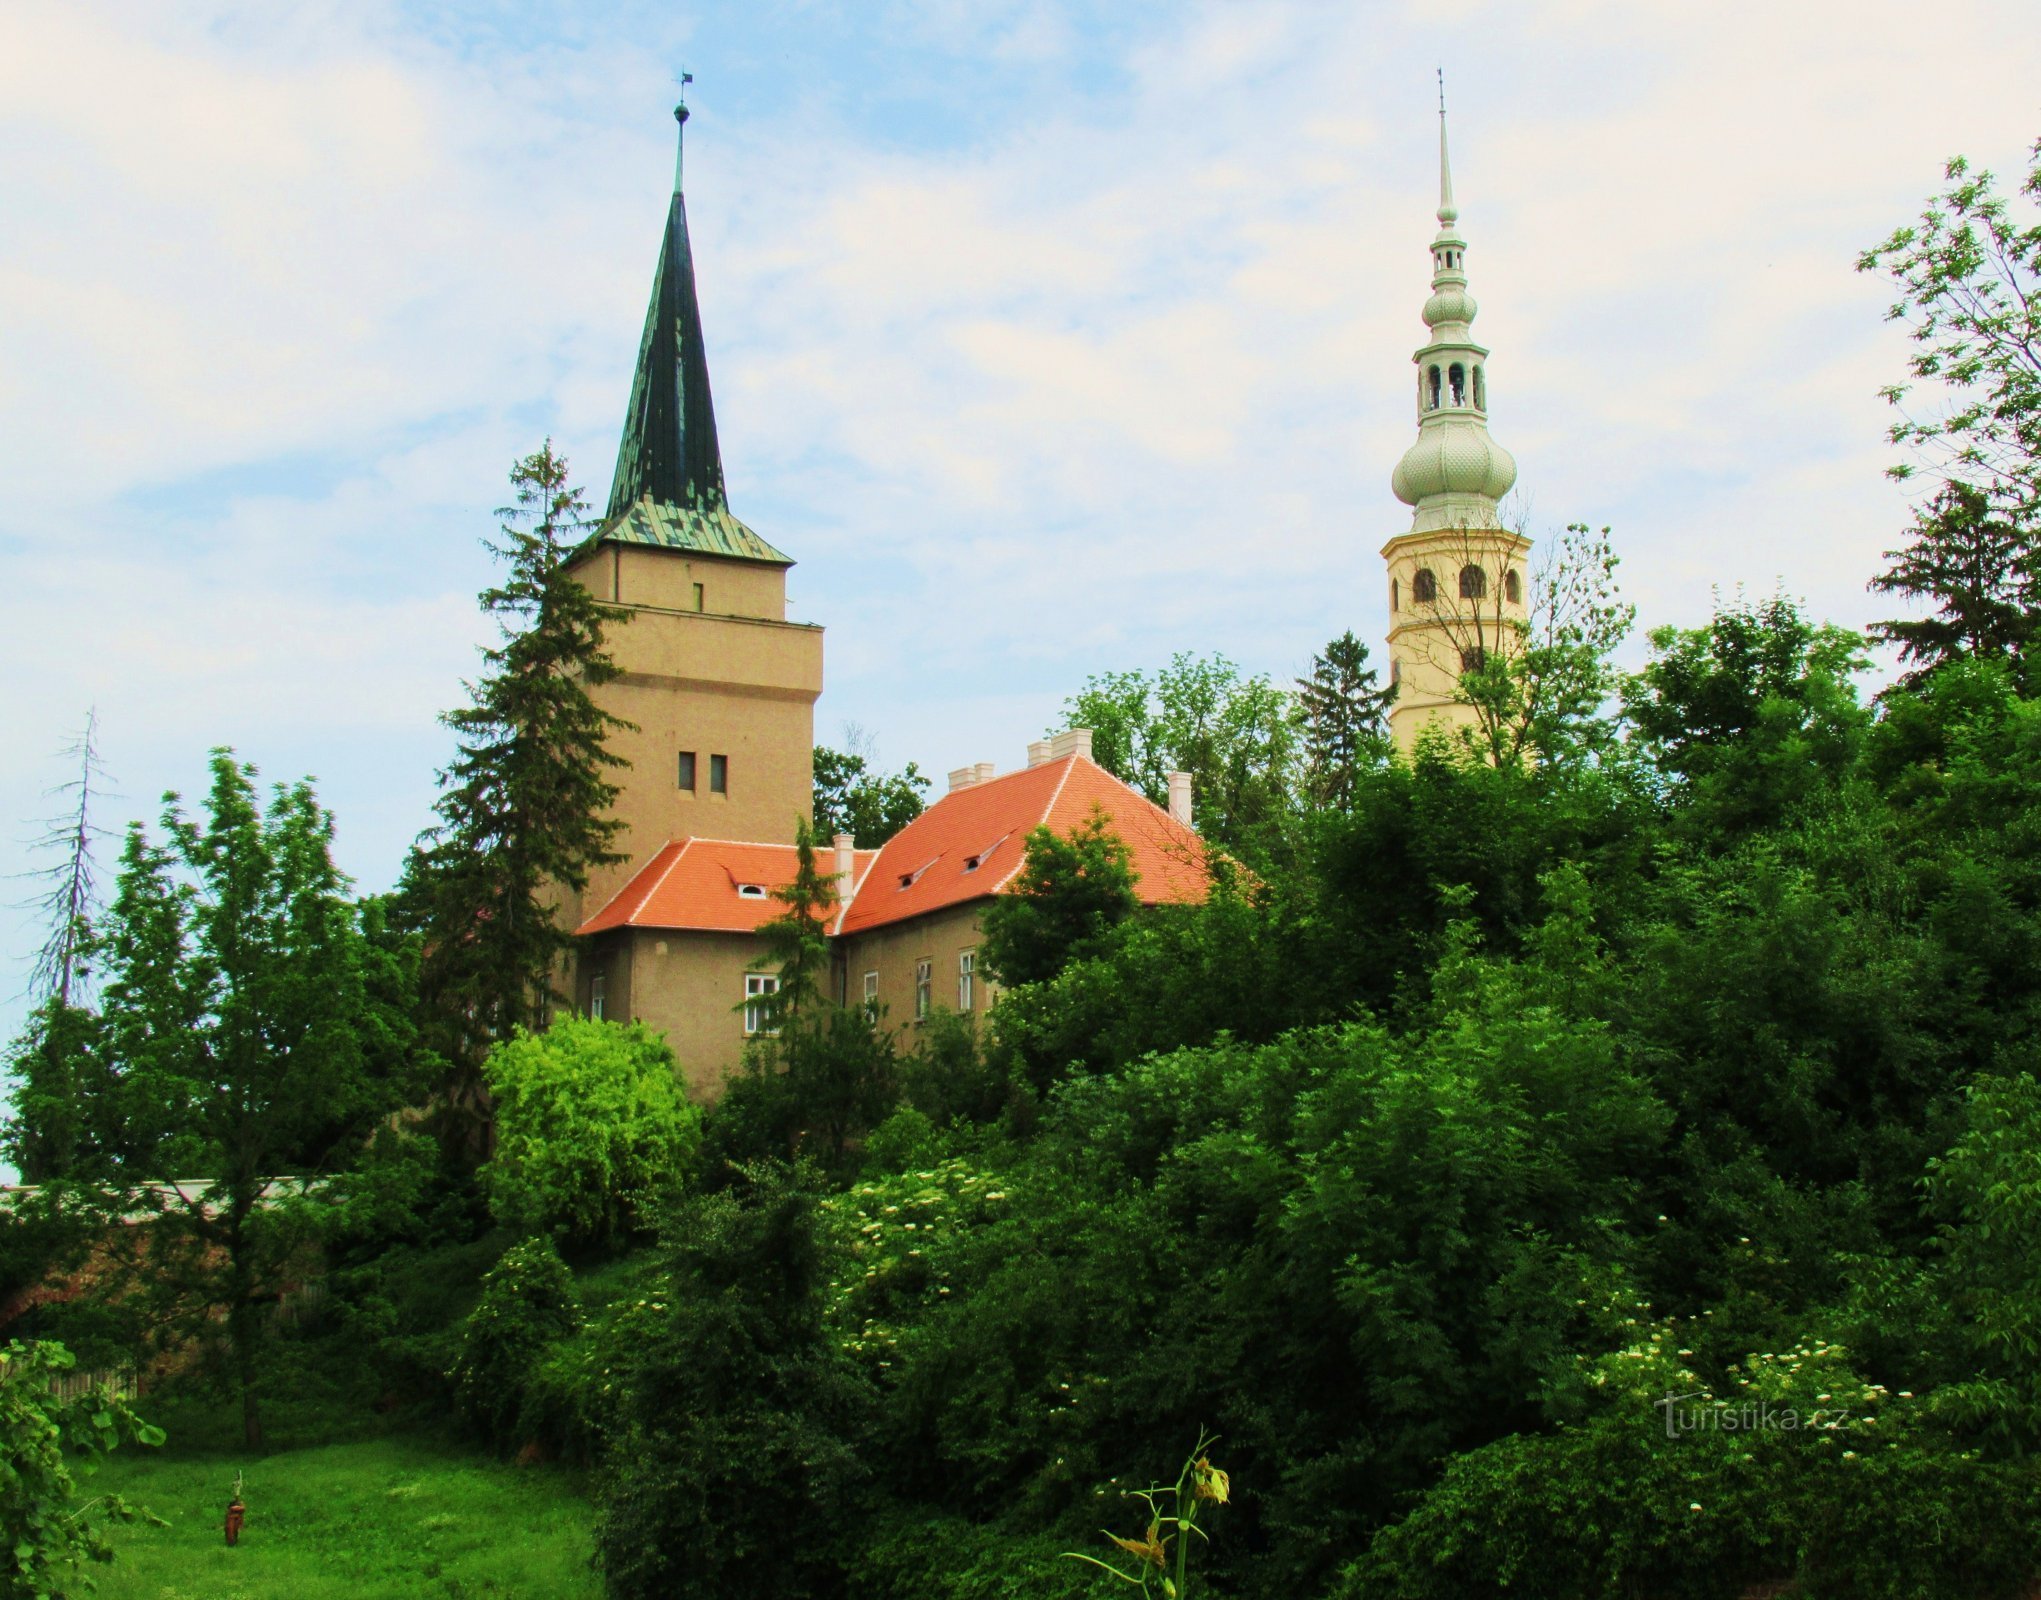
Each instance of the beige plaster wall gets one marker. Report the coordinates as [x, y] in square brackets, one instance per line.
[639, 575]
[893, 950]
[685, 985]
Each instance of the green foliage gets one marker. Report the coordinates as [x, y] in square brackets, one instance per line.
[1798, 1469]
[528, 1305]
[237, 1049]
[592, 1129]
[1969, 282]
[1752, 717]
[1978, 571]
[524, 805]
[739, 1469]
[44, 1535]
[1072, 891]
[870, 806]
[1344, 712]
[1235, 735]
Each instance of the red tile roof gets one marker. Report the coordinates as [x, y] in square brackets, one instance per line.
[696, 883]
[967, 846]
[971, 843]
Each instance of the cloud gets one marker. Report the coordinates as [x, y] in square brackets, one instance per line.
[1060, 338]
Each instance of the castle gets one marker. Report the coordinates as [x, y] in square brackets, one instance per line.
[720, 689]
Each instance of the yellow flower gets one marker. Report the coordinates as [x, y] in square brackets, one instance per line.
[1152, 1549]
[1208, 1482]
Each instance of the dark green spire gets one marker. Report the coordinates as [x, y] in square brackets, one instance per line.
[669, 484]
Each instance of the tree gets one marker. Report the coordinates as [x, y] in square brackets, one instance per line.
[523, 808]
[820, 1071]
[870, 806]
[1069, 893]
[1969, 281]
[44, 1535]
[1749, 716]
[47, 1060]
[1538, 686]
[1344, 711]
[235, 1010]
[591, 1130]
[737, 1473]
[1234, 734]
[1978, 569]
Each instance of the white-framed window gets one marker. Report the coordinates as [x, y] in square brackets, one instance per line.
[924, 984]
[595, 987]
[871, 991]
[967, 978]
[756, 986]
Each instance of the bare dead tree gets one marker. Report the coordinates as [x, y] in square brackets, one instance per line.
[70, 898]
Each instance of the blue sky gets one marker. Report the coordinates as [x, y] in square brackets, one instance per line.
[1049, 338]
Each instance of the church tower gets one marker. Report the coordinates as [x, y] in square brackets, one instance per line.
[720, 686]
[1457, 584]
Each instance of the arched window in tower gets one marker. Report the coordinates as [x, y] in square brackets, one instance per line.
[1424, 588]
[1393, 591]
[1473, 583]
[1395, 672]
[1433, 403]
[1480, 390]
[1472, 657]
[1513, 588]
[1458, 377]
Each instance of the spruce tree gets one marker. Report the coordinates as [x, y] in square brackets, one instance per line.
[51, 1057]
[1344, 710]
[523, 808]
[1977, 568]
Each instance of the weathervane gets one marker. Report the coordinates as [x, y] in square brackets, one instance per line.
[680, 116]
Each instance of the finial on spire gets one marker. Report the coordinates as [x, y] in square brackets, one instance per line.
[680, 138]
[1448, 212]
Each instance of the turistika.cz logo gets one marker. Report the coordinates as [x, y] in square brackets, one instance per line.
[1700, 1412]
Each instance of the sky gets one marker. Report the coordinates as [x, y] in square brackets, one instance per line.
[1048, 338]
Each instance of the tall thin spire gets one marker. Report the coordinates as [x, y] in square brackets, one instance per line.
[670, 454]
[680, 139]
[1448, 213]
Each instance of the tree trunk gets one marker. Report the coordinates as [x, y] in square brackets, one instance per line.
[241, 1330]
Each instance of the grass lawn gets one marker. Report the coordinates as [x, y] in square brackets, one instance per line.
[396, 1516]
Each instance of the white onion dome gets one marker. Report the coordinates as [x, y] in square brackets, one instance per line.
[1450, 302]
[1453, 456]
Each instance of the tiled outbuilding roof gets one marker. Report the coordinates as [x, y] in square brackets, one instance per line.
[719, 885]
[971, 843]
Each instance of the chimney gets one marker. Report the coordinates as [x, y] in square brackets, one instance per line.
[1070, 742]
[970, 777]
[1038, 752]
[846, 868]
[1180, 797]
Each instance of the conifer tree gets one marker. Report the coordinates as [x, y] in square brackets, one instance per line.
[1344, 710]
[523, 806]
[1978, 569]
[50, 1057]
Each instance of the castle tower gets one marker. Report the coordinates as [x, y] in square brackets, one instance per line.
[1457, 584]
[720, 686]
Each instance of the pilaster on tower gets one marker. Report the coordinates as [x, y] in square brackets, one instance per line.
[1457, 584]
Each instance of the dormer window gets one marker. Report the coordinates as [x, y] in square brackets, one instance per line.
[973, 863]
[909, 879]
[751, 891]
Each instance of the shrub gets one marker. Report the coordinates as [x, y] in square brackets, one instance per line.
[43, 1536]
[591, 1127]
[528, 1305]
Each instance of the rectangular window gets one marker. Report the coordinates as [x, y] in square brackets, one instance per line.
[871, 991]
[719, 774]
[757, 1012]
[924, 983]
[967, 978]
[687, 771]
[595, 987]
[698, 597]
